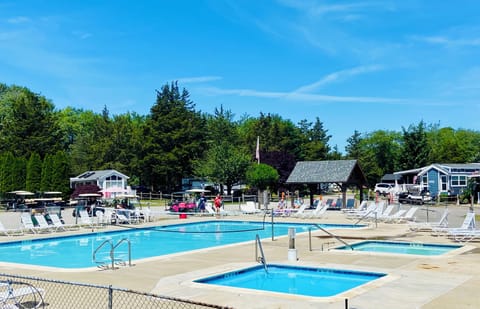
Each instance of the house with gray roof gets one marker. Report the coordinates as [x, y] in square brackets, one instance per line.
[111, 182]
[441, 178]
[344, 173]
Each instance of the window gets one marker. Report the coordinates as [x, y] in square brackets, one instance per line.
[443, 180]
[459, 181]
[425, 182]
[113, 182]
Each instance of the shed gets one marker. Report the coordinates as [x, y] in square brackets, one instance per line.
[341, 172]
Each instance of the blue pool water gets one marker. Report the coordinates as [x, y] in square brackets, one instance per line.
[307, 281]
[77, 251]
[402, 247]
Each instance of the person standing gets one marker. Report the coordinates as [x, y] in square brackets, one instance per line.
[201, 202]
[218, 203]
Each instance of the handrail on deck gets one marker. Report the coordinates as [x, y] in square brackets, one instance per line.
[332, 235]
[261, 259]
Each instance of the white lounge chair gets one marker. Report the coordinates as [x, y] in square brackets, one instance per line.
[428, 226]
[59, 225]
[462, 235]
[11, 293]
[468, 223]
[28, 225]
[42, 223]
[122, 219]
[9, 232]
[300, 212]
[318, 212]
[109, 215]
[409, 216]
[363, 205]
[209, 209]
[384, 214]
[362, 213]
[85, 219]
[249, 208]
[378, 211]
[396, 217]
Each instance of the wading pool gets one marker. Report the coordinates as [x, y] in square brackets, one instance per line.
[401, 247]
[306, 281]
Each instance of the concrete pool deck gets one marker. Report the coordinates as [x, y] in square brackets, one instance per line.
[449, 281]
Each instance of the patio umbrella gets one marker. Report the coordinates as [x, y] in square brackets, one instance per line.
[21, 192]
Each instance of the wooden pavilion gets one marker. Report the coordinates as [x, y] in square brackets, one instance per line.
[344, 173]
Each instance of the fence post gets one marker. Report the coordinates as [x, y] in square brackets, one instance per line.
[110, 297]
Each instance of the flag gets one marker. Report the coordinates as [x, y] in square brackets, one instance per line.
[257, 152]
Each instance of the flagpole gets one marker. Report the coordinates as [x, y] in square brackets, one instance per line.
[257, 152]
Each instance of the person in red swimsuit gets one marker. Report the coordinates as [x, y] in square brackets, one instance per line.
[218, 203]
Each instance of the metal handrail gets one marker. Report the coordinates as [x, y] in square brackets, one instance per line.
[129, 249]
[332, 235]
[261, 259]
[112, 250]
[108, 241]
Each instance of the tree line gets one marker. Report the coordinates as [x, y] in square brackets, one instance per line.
[41, 147]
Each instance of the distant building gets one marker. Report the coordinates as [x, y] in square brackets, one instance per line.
[111, 182]
[450, 178]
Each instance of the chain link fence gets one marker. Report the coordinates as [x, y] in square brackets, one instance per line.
[29, 292]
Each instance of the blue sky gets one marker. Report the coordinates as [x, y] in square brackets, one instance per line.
[356, 65]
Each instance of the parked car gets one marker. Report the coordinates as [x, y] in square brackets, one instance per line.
[383, 188]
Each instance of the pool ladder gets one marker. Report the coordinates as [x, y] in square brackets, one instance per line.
[261, 258]
[114, 261]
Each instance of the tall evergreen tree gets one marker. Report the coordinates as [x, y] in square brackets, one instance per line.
[174, 138]
[315, 145]
[415, 147]
[34, 173]
[353, 147]
[60, 173]
[47, 173]
[27, 123]
[19, 167]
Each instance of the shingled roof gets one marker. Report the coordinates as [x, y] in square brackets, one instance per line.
[337, 171]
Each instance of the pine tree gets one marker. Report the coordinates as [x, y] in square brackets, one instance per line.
[174, 138]
[34, 173]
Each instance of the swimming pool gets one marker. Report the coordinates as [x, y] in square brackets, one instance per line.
[77, 251]
[306, 281]
[402, 247]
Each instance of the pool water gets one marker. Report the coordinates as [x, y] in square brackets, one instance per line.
[402, 247]
[77, 251]
[306, 281]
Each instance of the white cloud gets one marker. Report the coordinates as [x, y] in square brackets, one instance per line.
[18, 20]
[81, 34]
[447, 41]
[297, 96]
[198, 79]
[339, 75]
